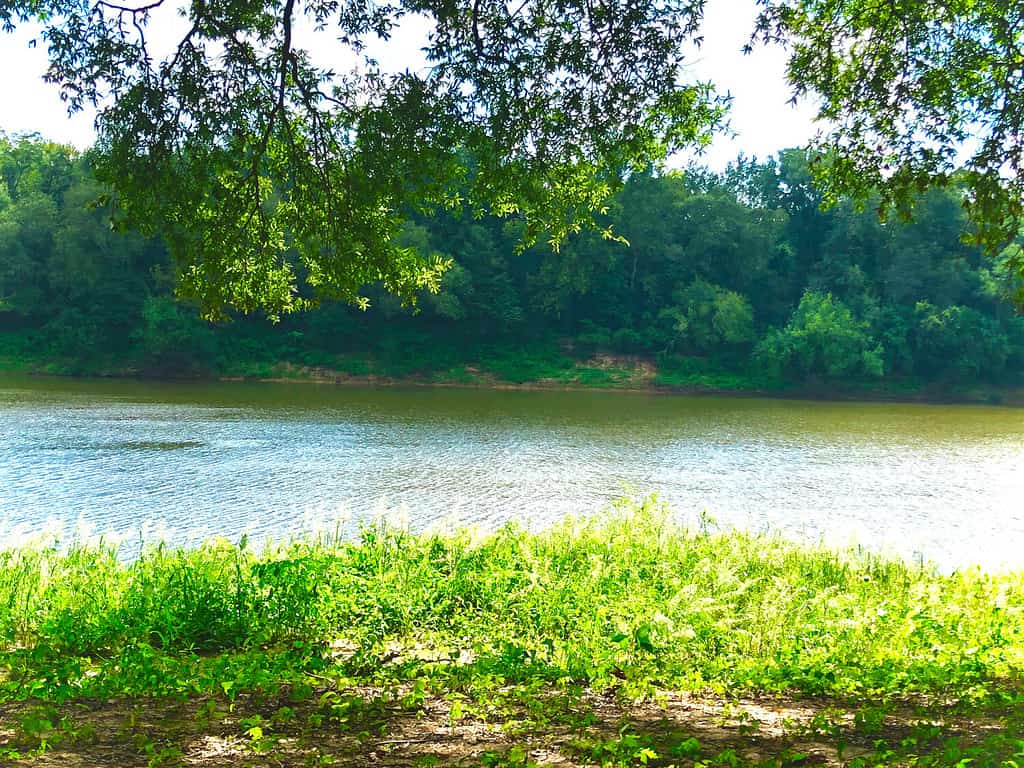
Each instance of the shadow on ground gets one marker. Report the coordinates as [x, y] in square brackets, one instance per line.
[511, 726]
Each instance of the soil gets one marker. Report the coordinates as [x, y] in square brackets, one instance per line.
[211, 733]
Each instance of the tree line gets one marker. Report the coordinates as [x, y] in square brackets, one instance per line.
[740, 271]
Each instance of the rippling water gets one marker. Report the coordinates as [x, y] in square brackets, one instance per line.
[942, 482]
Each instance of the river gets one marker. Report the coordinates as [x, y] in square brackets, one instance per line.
[191, 460]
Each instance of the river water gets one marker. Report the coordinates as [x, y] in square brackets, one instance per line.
[190, 460]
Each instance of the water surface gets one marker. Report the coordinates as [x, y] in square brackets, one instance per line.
[938, 481]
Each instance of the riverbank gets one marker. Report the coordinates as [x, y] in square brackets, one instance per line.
[623, 373]
[642, 376]
[620, 640]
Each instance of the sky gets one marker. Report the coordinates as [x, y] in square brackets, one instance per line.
[761, 118]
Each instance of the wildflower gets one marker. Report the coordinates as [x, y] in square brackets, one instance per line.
[161, 533]
[380, 510]
[53, 531]
[402, 517]
[113, 538]
[83, 530]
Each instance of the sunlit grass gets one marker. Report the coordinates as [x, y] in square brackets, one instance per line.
[627, 598]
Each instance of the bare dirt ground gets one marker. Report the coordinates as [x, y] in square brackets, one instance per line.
[211, 733]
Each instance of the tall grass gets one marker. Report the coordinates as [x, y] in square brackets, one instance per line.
[626, 598]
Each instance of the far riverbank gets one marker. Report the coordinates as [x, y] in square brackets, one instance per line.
[623, 373]
[644, 377]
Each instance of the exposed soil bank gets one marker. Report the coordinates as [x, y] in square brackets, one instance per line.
[603, 372]
[1006, 396]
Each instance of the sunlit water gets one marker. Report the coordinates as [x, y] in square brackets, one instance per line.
[944, 483]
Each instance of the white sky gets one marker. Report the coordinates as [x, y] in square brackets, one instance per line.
[760, 116]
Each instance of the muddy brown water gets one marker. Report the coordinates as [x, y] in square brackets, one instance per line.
[940, 482]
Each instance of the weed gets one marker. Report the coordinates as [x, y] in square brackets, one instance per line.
[511, 626]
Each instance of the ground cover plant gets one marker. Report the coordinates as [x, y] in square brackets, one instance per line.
[623, 639]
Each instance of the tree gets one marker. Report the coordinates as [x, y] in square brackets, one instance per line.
[823, 338]
[708, 318]
[275, 181]
[908, 88]
[33, 174]
[173, 340]
[959, 342]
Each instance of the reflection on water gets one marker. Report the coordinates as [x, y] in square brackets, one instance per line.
[944, 481]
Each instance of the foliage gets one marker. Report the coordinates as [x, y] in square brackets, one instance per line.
[539, 362]
[626, 597]
[958, 342]
[173, 340]
[274, 180]
[691, 373]
[336, 632]
[717, 268]
[708, 318]
[904, 89]
[823, 338]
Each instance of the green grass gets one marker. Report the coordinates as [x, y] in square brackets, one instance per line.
[460, 374]
[624, 596]
[600, 377]
[626, 602]
[527, 364]
[698, 373]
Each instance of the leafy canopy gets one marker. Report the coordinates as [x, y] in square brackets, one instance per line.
[274, 180]
[910, 91]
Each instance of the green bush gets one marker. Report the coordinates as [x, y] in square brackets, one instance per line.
[173, 340]
[822, 339]
[522, 364]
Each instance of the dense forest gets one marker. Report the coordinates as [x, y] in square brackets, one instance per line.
[735, 279]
